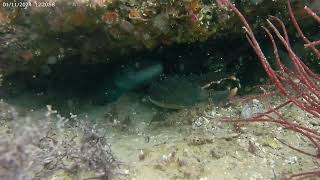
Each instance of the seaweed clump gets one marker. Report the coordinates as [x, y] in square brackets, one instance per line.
[50, 147]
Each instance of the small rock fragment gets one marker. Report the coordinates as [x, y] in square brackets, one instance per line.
[271, 142]
[142, 155]
[252, 109]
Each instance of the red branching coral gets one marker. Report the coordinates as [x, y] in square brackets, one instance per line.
[298, 84]
[307, 42]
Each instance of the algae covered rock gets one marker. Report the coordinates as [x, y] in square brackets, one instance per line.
[38, 33]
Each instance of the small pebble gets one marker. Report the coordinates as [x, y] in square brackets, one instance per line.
[252, 109]
[142, 155]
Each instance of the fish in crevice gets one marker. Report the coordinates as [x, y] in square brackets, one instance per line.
[128, 78]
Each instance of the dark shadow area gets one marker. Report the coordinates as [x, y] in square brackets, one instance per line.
[98, 84]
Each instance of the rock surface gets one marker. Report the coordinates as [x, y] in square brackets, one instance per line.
[99, 31]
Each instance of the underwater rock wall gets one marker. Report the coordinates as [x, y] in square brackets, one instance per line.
[42, 33]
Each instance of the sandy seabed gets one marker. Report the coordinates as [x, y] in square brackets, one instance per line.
[153, 143]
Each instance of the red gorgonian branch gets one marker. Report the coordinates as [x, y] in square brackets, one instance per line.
[299, 84]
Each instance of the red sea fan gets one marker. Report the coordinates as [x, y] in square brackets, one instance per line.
[298, 84]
